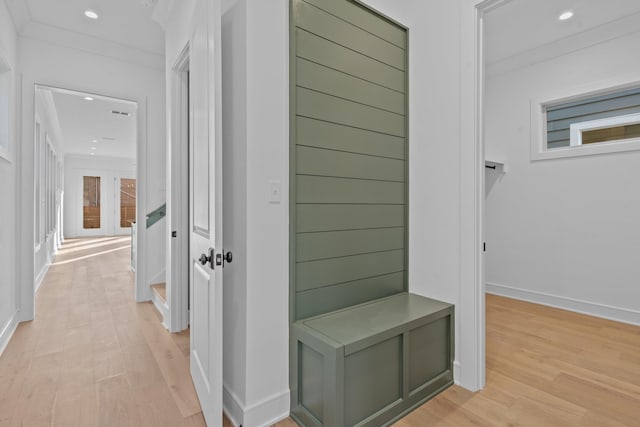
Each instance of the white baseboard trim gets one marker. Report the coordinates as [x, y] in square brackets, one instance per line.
[40, 277]
[232, 407]
[261, 414]
[617, 314]
[456, 372]
[8, 331]
[162, 307]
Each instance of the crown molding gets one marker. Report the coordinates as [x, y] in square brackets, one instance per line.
[19, 11]
[622, 27]
[63, 37]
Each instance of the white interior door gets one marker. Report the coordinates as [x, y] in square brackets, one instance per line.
[206, 212]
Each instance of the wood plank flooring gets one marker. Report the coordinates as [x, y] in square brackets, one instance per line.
[93, 357]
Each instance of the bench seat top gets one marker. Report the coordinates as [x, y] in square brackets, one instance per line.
[357, 323]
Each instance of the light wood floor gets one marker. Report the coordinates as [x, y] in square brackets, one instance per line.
[93, 357]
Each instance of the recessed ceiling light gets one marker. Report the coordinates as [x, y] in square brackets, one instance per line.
[94, 141]
[93, 154]
[564, 16]
[93, 148]
[90, 14]
[88, 98]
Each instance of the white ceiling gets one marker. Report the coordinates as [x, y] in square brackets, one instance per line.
[521, 25]
[125, 22]
[82, 122]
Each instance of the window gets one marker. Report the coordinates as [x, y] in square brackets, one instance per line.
[127, 202]
[37, 204]
[598, 122]
[5, 103]
[91, 202]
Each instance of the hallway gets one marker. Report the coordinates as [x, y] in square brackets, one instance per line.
[93, 356]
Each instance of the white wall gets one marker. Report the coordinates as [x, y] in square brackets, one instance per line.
[563, 232]
[8, 195]
[50, 64]
[110, 170]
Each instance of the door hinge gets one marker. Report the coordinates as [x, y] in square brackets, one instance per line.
[484, 247]
[174, 234]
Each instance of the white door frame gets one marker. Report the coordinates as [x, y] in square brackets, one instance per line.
[25, 207]
[472, 158]
[178, 206]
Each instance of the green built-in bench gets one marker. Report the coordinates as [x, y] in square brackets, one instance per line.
[369, 364]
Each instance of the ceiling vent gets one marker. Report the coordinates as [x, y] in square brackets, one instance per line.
[120, 113]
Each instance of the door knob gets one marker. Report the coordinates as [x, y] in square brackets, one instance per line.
[204, 259]
[228, 257]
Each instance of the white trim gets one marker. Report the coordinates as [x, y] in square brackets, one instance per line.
[41, 275]
[538, 122]
[617, 314]
[577, 129]
[161, 306]
[93, 45]
[178, 196]
[232, 406]
[470, 335]
[456, 372]
[262, 414]
[601, 34]
[8, 331]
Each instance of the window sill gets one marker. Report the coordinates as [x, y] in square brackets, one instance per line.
[588, 150]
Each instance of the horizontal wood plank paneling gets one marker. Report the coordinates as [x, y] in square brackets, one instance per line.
[327, 53]
[374, 24]
[312, 218]
[315, 246]
[313, 189]
[327, 26]
[317, 105]
[322, 162]
[336, 83]
[348, 231]
[317, 133]
[316, 274]
[330, 298]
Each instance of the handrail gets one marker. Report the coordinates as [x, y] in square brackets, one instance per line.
[156, 215]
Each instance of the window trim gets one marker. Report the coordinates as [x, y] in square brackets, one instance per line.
[539, 150]
[576, 129]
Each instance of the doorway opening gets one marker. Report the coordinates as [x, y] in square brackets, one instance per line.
[85, 173]
[178, 292]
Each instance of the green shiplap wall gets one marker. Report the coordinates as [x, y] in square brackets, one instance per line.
[349, 162]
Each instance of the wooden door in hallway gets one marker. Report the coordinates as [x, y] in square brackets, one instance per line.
[205, 229]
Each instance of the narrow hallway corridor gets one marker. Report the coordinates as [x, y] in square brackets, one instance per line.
[93, 357]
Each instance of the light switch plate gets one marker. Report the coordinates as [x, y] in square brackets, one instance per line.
[275, 191]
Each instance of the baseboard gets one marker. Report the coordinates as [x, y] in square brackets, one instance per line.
[8, 331]
[456, 372]
[261, 414]
[232, 406]
[40, 277]
[162, 308]
[618, 314]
